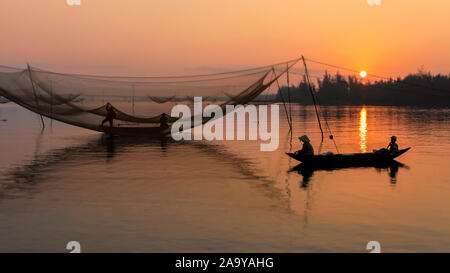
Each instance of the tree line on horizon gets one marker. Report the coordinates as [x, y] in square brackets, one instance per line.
[419, 89]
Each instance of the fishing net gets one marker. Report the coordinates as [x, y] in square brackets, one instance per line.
[138, 102]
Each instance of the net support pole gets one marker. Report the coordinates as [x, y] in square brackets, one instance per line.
[132, 105]
[313, 96]
[289, 92]
[35, 95]
[282, 99]
[51, 104]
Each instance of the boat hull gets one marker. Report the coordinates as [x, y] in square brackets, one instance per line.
[346, 160]
[136, 131]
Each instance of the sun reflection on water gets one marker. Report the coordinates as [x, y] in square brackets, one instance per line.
[363, 130]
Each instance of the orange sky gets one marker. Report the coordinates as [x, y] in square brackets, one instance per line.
[185, 36]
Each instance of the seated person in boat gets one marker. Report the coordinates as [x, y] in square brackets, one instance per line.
[163, 121]
[110, 115]
[307, 148]
[393, 146]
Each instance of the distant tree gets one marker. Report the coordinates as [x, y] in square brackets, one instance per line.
[420, 89]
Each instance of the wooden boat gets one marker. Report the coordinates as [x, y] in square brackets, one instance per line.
[135, 131]
[345, 160]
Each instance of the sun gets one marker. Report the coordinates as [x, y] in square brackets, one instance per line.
[363, 74]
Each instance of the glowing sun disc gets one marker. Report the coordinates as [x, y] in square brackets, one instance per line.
[363, 74]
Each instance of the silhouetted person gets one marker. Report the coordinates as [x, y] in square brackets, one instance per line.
[110, 115]
[393, 146]
[307, 148]
[163, 121]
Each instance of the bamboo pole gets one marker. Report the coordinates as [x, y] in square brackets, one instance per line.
[313, 96]
[282, 99]
[35, 95]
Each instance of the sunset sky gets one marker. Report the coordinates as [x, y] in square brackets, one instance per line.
[148, 37]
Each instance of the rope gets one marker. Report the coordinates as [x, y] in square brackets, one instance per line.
[181, 76]
[329, 129]
[377, 76]
[111, 79]
[318, 116]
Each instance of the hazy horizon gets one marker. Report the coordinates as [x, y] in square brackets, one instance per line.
[185, 37]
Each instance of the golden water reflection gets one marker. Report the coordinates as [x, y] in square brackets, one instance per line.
[363, 130]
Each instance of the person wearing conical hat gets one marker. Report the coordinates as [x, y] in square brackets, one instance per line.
[307, 148]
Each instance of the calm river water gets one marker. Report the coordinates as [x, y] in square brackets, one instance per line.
[122, 195]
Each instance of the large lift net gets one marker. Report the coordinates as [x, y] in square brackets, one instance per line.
[138, 102]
